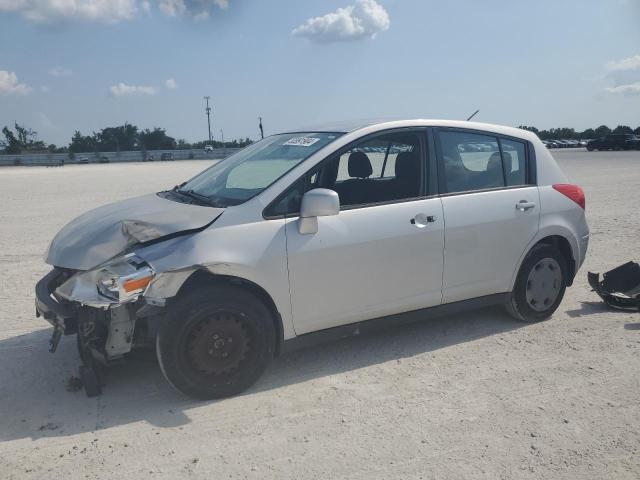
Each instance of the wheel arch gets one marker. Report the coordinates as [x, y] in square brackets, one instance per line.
[202, 277]
[561, 241]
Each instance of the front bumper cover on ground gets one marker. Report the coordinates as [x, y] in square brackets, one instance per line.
[620, 287]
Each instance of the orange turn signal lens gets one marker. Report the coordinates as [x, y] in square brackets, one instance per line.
[137, 284]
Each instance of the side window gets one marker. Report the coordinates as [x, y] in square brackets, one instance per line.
[471, 161]
[515, 162]
[382, 169]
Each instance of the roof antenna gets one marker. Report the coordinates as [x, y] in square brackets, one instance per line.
[473, 115]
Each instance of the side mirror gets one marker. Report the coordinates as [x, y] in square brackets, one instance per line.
[319, 202]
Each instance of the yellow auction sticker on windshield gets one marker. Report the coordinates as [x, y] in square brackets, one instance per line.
[301, 141]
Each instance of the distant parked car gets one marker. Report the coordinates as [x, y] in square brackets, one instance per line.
[83, 159]
[614, 141]
[104, 159]
[166, 156]
[208, 148]
[148, 158]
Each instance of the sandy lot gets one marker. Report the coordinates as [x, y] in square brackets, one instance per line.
[469, 396]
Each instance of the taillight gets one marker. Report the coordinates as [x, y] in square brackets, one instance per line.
[574, 192]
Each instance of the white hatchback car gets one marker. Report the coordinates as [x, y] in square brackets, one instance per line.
[316, 234]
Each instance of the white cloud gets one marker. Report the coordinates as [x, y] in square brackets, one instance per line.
[631, 63]
[173, 8]
[364, 19]
[53, 11]
[107, 11]
[199, 10]
[44, 89]
[9, 84]
[203, 16]
[631, 89]
[124, 90]
[625, 76]
[171, 84]
[60, 72]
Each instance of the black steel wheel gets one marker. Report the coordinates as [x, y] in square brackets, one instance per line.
[540, 285]
[215, 341]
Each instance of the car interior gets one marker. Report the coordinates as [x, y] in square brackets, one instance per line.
[384, 170]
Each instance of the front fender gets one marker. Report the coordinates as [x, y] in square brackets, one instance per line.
[255, 252]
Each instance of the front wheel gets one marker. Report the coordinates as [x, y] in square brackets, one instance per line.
[215, 342]
[540, 285]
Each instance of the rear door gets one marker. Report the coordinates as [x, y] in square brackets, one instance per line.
[491, 208]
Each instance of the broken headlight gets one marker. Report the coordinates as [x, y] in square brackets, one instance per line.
[124, 278]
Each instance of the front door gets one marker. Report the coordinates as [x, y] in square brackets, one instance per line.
[383, 253]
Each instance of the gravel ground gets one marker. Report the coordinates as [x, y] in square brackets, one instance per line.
[469, 396]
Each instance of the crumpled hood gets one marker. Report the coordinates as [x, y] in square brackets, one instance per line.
[100, 234]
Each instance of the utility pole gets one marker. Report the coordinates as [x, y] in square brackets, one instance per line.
[222, 136]
[261, 129]
[208, 110]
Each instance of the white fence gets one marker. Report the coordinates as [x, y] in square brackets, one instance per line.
[49, 159]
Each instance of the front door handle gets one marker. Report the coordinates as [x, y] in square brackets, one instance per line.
[523, 205]
[421, 220]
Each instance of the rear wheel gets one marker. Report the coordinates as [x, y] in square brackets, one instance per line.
[540, 285]
[215, 342]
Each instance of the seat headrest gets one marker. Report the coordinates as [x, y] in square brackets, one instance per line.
[495, 162]
[359, 165]
[407, 165]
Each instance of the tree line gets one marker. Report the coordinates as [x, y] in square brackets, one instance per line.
[571, 134]
[127, 137]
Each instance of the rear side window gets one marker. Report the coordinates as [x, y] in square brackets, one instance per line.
[471, 161]
[515, 162]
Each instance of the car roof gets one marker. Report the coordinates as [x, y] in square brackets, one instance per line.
[355, 125]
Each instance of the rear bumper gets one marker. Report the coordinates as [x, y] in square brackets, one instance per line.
[584, 245]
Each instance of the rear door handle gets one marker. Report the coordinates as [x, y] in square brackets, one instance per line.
[523, 205]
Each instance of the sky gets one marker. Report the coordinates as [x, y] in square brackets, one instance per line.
[69, 65]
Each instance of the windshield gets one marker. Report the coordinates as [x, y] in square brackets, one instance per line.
[250, 171]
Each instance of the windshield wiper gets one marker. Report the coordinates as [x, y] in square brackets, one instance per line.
[196, 196]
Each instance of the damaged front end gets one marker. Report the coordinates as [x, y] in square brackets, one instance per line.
[99, 284]
[103, 306]
[620, 287]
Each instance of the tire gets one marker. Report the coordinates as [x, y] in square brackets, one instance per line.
[540, 285]
[590, 149]
[195, 344]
